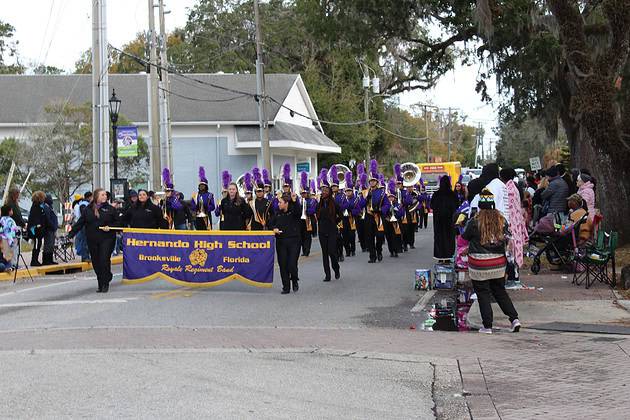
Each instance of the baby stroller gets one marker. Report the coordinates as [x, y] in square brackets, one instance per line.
[557, 246]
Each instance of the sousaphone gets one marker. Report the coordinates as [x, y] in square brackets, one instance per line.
[410, 173]
[341, 176]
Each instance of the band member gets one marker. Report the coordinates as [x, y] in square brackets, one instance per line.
[400, 198]
[424, 207]
[374, 229]
[339, 200]
[392, 212]
[286, 225]
[287, 185]
[352, 206]
[248, 190]
[202, 203]
[226, 180]
[308, 207]
[410, 221]
[261, 206]
[362, 188]
[175, 214]
[97, 217]
[233, 210]
[143, 214]
[267, 185]
[328, 216]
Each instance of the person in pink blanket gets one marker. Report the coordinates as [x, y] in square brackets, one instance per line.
[518, 226]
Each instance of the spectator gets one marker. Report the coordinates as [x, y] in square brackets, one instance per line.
[52, 224]
[576, 213]
[444, 204]
[80, 243]
[586, 190]
[13, 200]
[556, 194]
[9, 234]
[490, 176]
[517, 224]
[143, 214]
[566, 175]
[37, 225]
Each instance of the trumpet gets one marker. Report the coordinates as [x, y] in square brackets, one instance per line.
[304, 217]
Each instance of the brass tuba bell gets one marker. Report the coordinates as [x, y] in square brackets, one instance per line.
[410, 173]
[341, 176]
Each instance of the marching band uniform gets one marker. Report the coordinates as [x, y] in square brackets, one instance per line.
[410, 221]
[175, 213]
[288, 244]
[392, 213]
[328, 216]
[374, 229]
[202, 203]
[267, 185]
[234, 214]
[339, 197]
[352, 207]
[286, 186]
[362, 188]
[308, 220]
[261, 206]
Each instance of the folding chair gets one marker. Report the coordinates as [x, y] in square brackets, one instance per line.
[596, 259]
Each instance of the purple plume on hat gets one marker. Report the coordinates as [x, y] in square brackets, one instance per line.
[257, 176]
[266, 178]
[323, 178]
[313, 189]
[422, 182]
[303, 181]
[374, 169]
[360, 169]
[167, 181]
[381, 180]
[202, 176]
[332, 174]
[286, 173]
[226, 177]
[348, 178]
[363, 181]
[391, 186]
[247, 181]
[460, 178]
[398, 172]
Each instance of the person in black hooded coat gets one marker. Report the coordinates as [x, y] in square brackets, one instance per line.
[444, 204]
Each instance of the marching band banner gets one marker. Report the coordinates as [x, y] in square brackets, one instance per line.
[198, 258]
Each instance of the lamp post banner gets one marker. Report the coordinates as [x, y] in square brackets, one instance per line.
[127, 140]
[198, 258]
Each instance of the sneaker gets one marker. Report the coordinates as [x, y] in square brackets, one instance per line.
[485, 330]
[516, 326]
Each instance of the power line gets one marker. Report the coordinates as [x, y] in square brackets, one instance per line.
[399, 135]
[190, 98]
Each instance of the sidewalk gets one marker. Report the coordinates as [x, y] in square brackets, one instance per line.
[551, 302]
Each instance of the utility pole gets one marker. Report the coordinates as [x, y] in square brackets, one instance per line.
[449, 133]
[366, 109]
[165, 112]
[265, 150]
[477, 139]
[426, 133]
[96, 72]
[102, 72]
[154, 113]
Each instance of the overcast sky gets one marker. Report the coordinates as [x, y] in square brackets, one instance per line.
[56, 32]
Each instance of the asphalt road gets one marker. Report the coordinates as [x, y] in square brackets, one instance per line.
[69, 352]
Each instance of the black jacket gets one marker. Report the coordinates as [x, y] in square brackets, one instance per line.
[17, 214]
[108, 216]
[147, 216]
[234, 216]
[37, 221]
[288, 222]
[327, 225]
[472, 234]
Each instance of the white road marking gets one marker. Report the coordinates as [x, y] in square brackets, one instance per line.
[63, 302]
[37, 287]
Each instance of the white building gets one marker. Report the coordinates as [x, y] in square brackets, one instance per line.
[211, 127]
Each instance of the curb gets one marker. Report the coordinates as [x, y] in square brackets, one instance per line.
[66, 268]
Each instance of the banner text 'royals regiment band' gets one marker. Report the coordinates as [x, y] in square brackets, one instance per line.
[198, 259]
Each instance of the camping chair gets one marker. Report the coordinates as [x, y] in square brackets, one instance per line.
[64, 250]
[594, 261]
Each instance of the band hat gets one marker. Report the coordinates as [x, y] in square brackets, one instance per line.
[486, 199]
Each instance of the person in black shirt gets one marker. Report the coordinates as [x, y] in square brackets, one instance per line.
[97, 218]
[13, 200]
[261, 207]
[328, 216]
[37, 225]
[286, 225]
[233, 211]
[143, 213]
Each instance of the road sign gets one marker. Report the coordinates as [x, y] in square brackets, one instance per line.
[303, 167]
[534, 163]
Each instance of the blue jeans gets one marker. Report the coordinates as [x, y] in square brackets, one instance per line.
[80, 244]
[183, 226]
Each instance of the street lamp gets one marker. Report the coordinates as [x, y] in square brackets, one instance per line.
[114, 107]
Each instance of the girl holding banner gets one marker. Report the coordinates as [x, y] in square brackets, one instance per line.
[97, 218]
[286, 225]
[233, 210]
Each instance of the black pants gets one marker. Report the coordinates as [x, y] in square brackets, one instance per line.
[373, 237]
[288, 251]
[361, 233]
[496, 287]
[101, 254]
[328, 242]
[409, 233]
[340, 242]
[349, 237]
[200, 223]
[306, 237]
[38, 241]
[394, 243]
[423, 220]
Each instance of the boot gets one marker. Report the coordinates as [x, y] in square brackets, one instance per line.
[35, 258]
[47, 258]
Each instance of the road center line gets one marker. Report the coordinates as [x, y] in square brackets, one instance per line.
[44, 286]
[63, 302]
